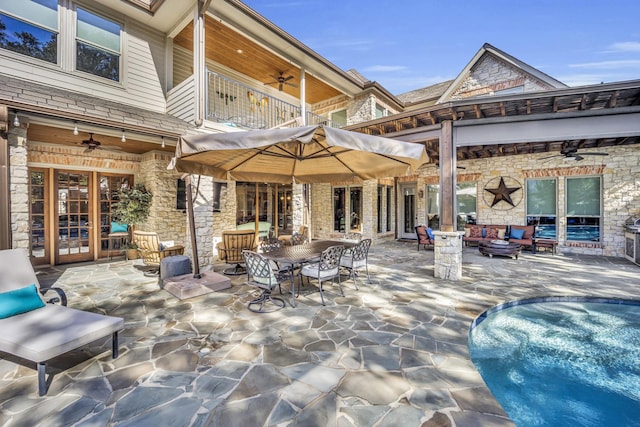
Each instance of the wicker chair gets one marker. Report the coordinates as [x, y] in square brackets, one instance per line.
[152, 251]
[231, 247]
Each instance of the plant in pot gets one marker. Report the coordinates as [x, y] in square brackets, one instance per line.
[132, 207]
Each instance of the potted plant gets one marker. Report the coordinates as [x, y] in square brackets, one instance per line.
[132, 207]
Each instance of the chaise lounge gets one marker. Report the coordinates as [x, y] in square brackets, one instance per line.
[38, 330]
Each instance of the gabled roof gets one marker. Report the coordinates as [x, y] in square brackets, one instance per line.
[425, 94]
[488, 49]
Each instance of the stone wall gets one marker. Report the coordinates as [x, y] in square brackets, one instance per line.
[620, 172]
[19, 185]
[491, 75]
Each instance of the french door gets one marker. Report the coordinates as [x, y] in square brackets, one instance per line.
[408, 213]
[72, 215]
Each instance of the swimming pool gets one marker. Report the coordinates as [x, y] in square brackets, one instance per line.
[562, 361]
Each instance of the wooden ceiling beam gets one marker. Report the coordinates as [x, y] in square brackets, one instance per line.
[613, 100]
[478, 111]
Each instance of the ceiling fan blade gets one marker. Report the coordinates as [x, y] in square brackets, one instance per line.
[287, 78]
[280, 86]
[271, 83]
[552, 157]
[291, 84]
[594, 154]
[578, 157]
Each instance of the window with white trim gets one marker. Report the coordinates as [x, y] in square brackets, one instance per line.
[97, 45]
[33, 28]
[30, 28]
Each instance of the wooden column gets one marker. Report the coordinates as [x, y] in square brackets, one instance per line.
[447, 178]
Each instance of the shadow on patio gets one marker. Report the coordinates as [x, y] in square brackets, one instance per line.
[394, 352]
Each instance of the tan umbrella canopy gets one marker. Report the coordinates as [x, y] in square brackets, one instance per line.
[302, 154]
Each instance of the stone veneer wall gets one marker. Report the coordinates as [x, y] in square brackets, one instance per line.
[19, 185]
[491, 75]
[620, 172]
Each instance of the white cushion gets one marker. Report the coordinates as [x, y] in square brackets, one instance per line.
[42, 334]
[312, 270]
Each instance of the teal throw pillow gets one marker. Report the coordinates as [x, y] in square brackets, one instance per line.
[516, 233]
[119, 228]
[19, 301]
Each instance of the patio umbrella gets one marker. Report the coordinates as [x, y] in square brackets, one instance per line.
[308, 154]
[305, 154]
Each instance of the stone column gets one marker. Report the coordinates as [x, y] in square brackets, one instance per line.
[203, 220]
[19, 184]
[448, 255]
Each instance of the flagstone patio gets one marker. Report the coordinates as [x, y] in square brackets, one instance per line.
[393, 353]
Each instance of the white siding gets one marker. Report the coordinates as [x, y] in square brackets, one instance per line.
[181, 100]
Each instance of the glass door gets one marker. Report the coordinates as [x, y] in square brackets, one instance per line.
[73, 217]
[408, 215]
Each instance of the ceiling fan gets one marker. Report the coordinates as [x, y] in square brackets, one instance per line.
[281, 80]
[573, 153]
[91, 144]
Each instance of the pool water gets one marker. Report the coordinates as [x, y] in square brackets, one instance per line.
[562, 363]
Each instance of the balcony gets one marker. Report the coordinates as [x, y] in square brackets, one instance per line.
[235, 104]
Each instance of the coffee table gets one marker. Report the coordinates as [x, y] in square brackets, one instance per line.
[500, 247]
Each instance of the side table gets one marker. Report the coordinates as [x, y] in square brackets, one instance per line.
[120, 239]
[546, 243]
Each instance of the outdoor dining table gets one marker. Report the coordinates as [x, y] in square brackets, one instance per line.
[303, 254]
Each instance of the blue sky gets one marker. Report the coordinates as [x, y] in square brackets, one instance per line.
[409, 44]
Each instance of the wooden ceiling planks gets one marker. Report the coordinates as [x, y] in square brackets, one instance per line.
[231, 49]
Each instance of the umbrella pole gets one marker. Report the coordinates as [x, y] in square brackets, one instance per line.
[192, 228]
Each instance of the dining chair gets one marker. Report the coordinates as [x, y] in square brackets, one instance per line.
[327, 268]
[356, 258]
[260, 274]
[298, 239]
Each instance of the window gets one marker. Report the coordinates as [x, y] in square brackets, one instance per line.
[541, 207]
[339, 118]
[381, 111]
[97, 45]
[339, 209]
[466, 199]
[583, 209]
[433, 206]
[347, 213]
[384, 208]
[381, 204]
[355, 196]
[30, 27]
[389, 207]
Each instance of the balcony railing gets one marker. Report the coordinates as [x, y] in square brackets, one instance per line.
[236, 104]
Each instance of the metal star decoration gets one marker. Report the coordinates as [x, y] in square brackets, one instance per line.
[502, 193]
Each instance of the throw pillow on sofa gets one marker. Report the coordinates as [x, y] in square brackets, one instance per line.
[501, 233]
[476, 231]
[492, 233]
[516, 233]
